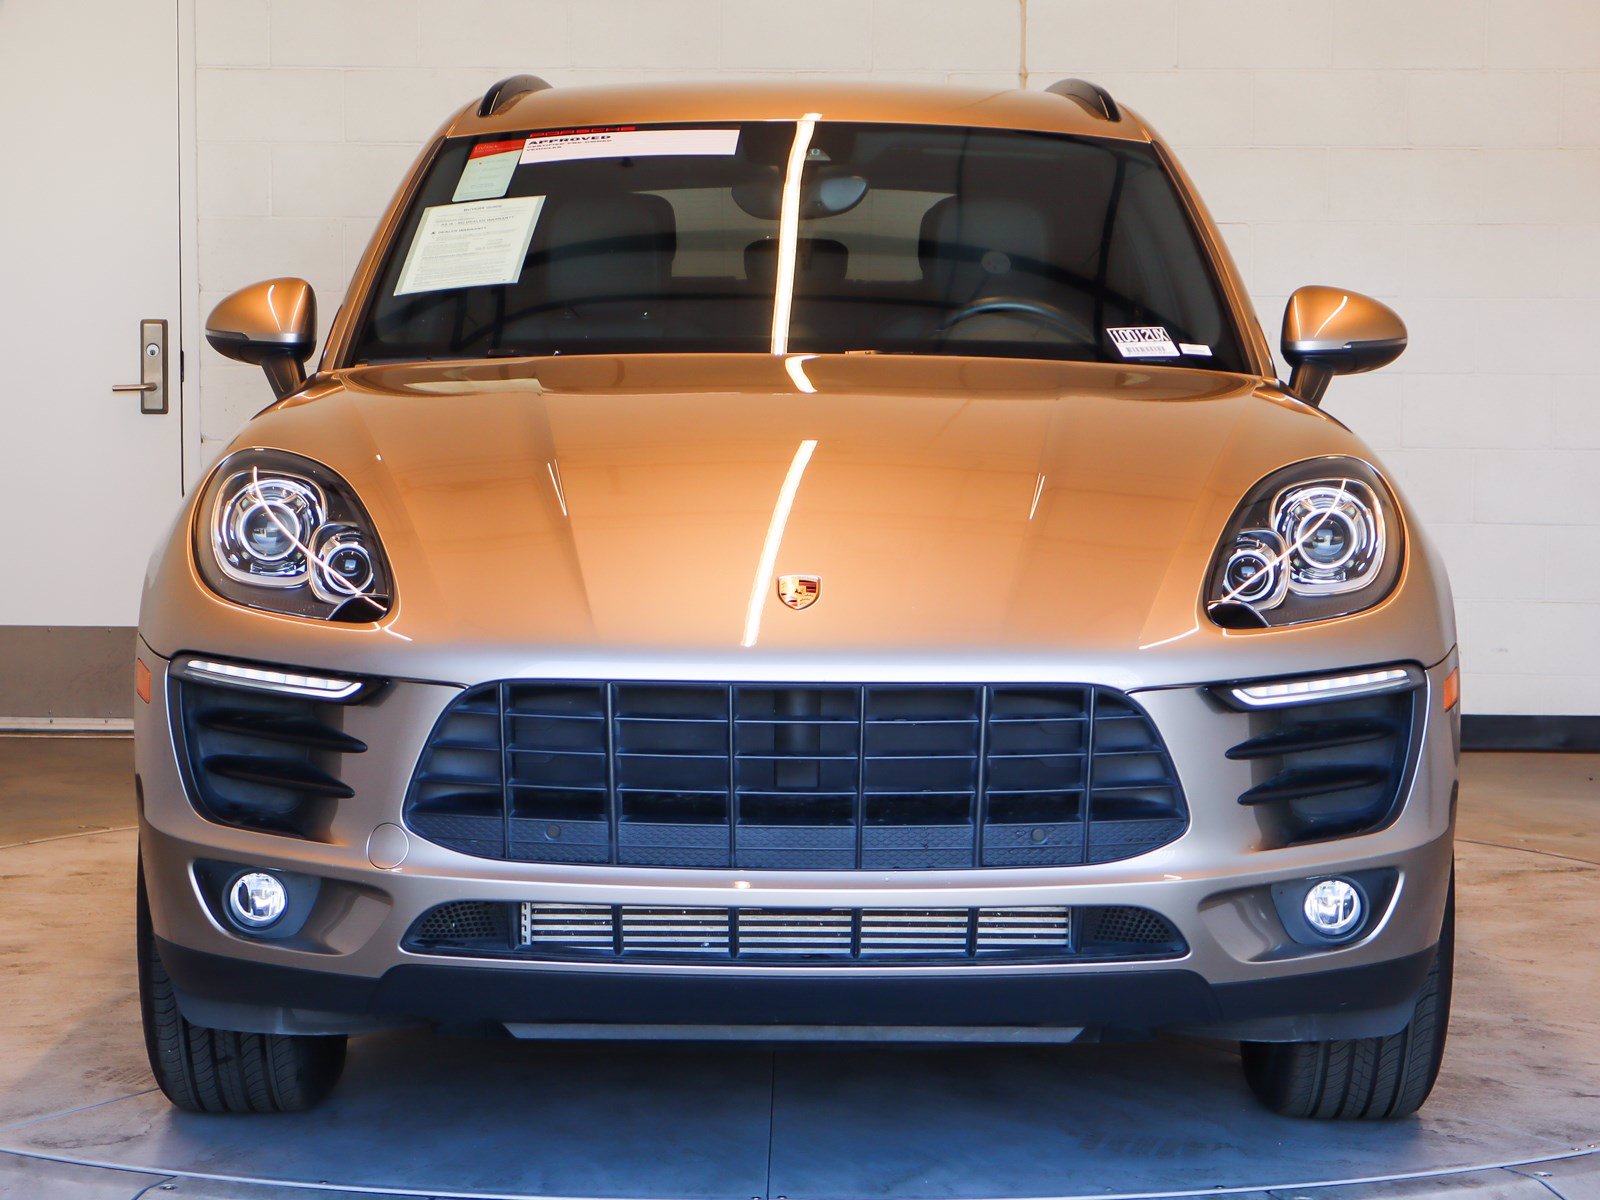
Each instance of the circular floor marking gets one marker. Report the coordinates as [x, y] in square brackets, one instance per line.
[424, 1115]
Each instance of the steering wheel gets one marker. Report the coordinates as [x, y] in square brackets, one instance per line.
[1040, 310]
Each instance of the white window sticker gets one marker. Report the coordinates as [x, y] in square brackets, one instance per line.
[469, 245]
[1195, 348]
[488, 172]
[1142, 341]
[624, 141]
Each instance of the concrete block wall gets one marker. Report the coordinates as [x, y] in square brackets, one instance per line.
[1441, 154]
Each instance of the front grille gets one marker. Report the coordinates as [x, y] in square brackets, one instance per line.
[819, 777]
[759, 936]
[262, 761]
[1331, 769]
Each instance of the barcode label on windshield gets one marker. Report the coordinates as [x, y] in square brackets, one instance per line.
[1142, 341]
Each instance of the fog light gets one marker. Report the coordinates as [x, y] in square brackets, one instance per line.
[256, 899]
[1334, 907]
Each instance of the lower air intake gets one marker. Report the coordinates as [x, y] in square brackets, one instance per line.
[820, 936]
[462, 922]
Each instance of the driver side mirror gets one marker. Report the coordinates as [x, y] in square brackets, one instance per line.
[272, 325]
[1329, 331]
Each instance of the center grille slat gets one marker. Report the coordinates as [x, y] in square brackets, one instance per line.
[813, 777]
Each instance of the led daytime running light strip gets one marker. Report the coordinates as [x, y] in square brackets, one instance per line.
[1305, 691]
[267, 679]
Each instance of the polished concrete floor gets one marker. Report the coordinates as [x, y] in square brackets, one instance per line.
[1516, 1115]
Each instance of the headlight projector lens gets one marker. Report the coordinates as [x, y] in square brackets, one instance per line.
[269, 531]
[1334, 907]
[256, 900]
[264, 526]
[1335, 535]
[1255, 573]
[343, 566]
[1327, 540]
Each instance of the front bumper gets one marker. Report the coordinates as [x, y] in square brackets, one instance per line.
[1243, 976]
[1346, 1002]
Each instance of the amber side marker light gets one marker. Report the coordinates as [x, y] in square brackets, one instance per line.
[141, 680]
[1452, 689]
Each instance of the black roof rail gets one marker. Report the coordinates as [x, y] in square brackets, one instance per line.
[507, 90]
[1091, 95]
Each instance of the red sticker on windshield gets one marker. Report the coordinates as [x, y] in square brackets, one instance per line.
[484, 148]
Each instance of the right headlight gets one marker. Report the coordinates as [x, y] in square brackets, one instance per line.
[283, 533]
[1318, 539]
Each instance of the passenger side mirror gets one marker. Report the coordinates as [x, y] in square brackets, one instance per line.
[273, 325]
[1328, 331]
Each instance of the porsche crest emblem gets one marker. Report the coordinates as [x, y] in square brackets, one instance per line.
[799, 591]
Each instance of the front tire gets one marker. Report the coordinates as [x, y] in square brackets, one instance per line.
[1362, 1078]
[218, 1070]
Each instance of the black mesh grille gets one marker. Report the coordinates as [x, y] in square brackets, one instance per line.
[877, 777]
[1111, 928]
[462, 922]
[760, 936]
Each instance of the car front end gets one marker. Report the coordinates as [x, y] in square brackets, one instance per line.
[899, 808]
[938, 647]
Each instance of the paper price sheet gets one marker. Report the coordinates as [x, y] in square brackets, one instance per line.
[477, 244]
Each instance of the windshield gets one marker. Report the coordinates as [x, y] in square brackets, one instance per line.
[805, 237]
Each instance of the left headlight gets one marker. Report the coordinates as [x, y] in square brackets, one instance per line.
[280, 532]
[1319, 539]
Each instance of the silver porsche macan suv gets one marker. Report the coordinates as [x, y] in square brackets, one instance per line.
[788, 562]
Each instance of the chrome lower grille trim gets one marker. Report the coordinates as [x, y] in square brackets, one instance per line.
[704, 933]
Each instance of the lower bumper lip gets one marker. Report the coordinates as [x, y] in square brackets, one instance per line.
[1135, 999]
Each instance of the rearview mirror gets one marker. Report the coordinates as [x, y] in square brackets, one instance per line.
[1329, 331]
[272, 325]
[828, 192]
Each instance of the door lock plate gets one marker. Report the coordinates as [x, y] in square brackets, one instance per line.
[152, 385]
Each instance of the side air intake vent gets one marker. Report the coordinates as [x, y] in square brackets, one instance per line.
[262, 761]
[1330, 769]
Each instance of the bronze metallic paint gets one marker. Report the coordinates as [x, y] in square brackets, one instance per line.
[1077, 507]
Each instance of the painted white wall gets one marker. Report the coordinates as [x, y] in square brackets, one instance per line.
[1441, 154]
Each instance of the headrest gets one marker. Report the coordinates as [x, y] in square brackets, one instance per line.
[596, 248]
[817, 261]
[925, 240]
[988, 245]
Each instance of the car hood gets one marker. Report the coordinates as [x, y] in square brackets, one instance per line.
[644, 505]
